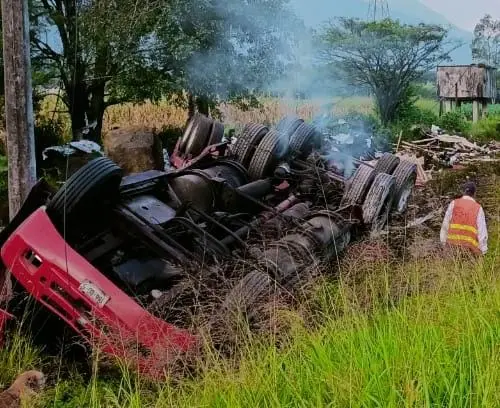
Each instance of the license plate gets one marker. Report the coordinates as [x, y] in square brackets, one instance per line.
[94, 293]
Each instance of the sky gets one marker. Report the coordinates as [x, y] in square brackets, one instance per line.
[465, 13]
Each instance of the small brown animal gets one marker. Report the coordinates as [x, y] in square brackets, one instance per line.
[25, 385]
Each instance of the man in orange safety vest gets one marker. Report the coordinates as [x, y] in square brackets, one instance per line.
[464, 223]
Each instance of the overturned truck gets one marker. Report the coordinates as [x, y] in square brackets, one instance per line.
[105, 250]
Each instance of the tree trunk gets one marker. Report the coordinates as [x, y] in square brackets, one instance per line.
[95, 113]
[87, 106]
[191, 105]
[386, 107]
[77, 95]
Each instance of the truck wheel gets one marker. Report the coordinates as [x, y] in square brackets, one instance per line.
[265, 156]
[248, 292]
[357, 186]
[94, 187]
[302, 140]
[198, 137]
[406, 176]
[288, 125]
[250, 137]
[378, 201]
[216, 133]
[186, 134]
[387, 163]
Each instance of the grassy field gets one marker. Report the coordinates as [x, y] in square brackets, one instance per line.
[164, 113]
[419, 333]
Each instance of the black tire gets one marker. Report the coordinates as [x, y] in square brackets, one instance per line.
[387, 163]
[216, 134]
[378, 201]
[406, 176]
[288, 125]
[265, 156]
[302, 141]
[291, 272]
[357, 186]
[249, 139]
[186, 134]
[198, 137]
[248, 292]
[92, 188]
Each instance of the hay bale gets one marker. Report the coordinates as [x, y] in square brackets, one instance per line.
[135, 148]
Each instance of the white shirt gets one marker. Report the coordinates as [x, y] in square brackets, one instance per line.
[482, 231]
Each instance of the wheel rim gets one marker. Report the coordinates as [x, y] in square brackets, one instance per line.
[383, 216]
[404, 197]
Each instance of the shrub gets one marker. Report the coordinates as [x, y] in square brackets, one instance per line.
[412, 122]
[454, 121]
[487, 129]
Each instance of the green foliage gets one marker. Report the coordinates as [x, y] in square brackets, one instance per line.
[114, 52]
[487, 129]
[454, 121]
[492, 110]
[385, 56]
[17, 355]
[236, 48]
[427, 90]
[48, 132]
[411, 118]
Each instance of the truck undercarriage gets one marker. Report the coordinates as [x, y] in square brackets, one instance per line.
[109, 254]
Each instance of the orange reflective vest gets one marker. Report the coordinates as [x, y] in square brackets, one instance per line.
[463, 228]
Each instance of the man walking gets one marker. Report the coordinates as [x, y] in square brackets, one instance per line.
[464, 223]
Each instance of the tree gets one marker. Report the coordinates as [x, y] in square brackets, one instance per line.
[101, 45]
[486, 42]
[384, 56]
[115, 51]
[236, 48]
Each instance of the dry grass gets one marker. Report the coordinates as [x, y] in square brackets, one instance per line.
[155, 115]
[274, 109]
[166, 114]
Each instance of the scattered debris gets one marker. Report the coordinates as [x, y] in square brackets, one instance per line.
[445, 150]
[80, 147]
[421, 220]
[423, 176]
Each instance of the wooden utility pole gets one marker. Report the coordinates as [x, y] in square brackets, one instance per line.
[18, 102]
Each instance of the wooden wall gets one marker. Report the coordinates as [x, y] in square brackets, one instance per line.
[466, 82]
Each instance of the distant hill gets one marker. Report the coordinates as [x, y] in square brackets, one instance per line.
[316, 12]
